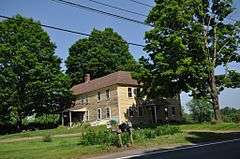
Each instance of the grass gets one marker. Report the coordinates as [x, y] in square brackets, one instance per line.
[63, 130]
[211, 127]
[57, 131]
[70, 147]
[58, 148]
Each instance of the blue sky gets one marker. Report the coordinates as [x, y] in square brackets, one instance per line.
[51, 13]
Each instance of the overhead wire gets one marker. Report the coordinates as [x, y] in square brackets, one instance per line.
[141, 3]
[67, 30]
[118, 8]
[99, 11]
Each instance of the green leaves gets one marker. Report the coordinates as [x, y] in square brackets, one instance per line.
[30, 77]
[201, 110]
[102, 53]
[181, 49]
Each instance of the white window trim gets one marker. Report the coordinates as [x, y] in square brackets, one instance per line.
[100, 114]
[87, 115]
[110, 113]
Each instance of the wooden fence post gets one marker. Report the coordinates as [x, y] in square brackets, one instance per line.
[120, 139]
[131, 136]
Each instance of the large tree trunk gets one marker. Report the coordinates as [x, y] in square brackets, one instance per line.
[212, 80]
[214, 96]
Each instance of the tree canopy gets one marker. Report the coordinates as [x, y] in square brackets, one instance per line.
[102, 53]
[190, 38]
[31, 80]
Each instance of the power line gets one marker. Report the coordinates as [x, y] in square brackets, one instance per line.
[118, 8]
[144, 4]
[86, 34]
[99, 11]
[67, 30]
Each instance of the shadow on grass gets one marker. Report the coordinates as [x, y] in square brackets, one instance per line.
[195, 138]
[203, 137]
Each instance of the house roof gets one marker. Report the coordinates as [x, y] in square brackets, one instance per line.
[120, 77]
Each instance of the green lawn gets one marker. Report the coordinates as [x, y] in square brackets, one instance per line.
[57, 131]
[69, 147]
[211, 127]
[58, 148]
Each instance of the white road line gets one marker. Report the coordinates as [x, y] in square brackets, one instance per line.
[178, 149]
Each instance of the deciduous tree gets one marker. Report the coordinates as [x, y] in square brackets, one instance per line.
[190, 38]
[102, 53]
[31, 80]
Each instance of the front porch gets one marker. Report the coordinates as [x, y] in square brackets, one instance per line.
[148, 113]
[73, 115]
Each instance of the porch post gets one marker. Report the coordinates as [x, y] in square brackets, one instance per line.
[62, 119]
[70, 118]
[155, 114]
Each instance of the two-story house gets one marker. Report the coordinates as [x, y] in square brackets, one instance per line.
[113, 97]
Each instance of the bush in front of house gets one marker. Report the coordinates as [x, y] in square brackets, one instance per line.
[167, 130]
[103, 136]
[99, 137]
[148, 133]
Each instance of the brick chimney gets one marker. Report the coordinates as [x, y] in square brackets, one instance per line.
[87, 78]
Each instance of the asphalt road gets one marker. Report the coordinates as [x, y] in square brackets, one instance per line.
[221, 150]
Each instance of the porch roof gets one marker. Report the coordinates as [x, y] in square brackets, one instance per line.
[74, 109]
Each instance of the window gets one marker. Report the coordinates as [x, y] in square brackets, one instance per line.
[173, 111]
[108, 113]
[140, 111]
[129, 92]
[86, 99]
[99, 96]
[87, 116]
[107, 94]
[99, 114]
[130, 111]
[135, 91]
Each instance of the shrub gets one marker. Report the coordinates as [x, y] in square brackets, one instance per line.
[125, 138]
[167, 130]
[99, 137]
[147, 133]
[139, 135]
[47, 138]
[103, 136]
